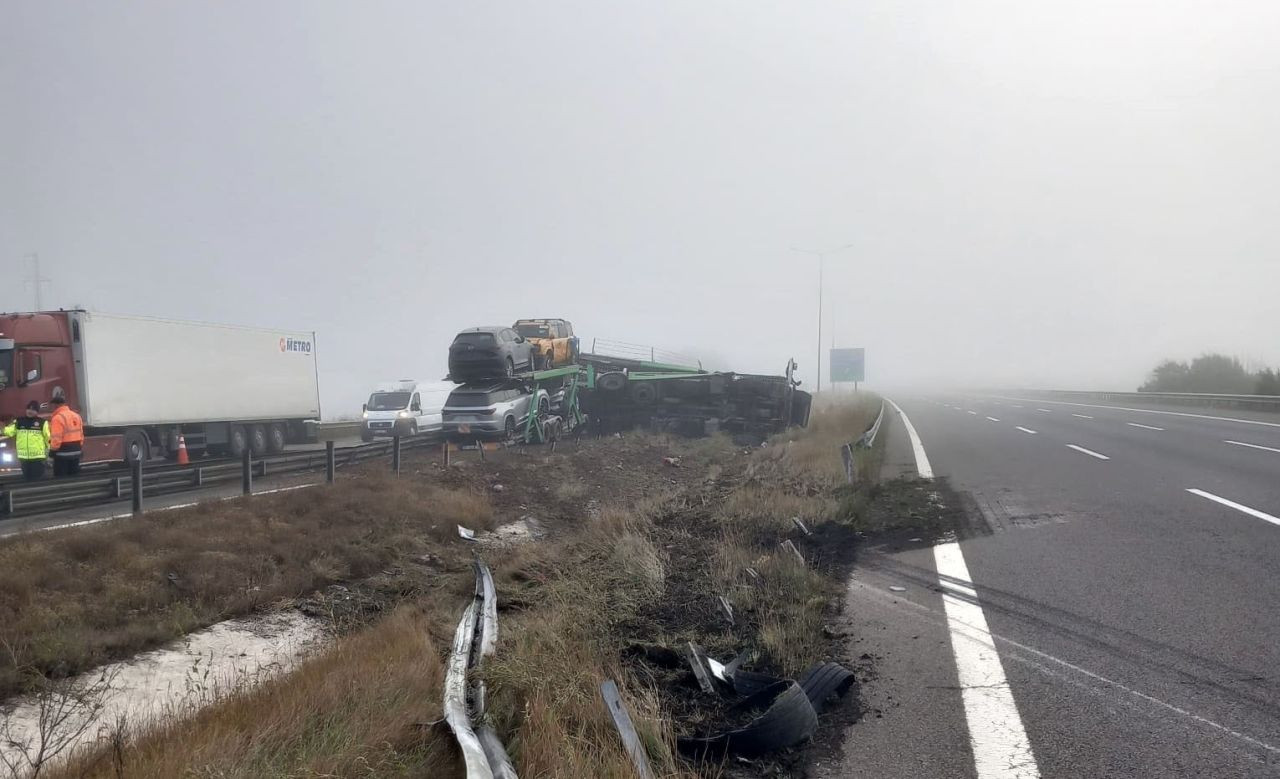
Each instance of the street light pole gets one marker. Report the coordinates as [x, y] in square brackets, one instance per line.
[822, 256]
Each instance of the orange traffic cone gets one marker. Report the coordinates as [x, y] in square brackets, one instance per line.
[183, 459]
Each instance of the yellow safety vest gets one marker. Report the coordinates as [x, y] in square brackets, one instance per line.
[31, 437]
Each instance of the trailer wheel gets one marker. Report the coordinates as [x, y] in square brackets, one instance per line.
[276, 437]
[237, 441]
[258, 439]
[137, 447]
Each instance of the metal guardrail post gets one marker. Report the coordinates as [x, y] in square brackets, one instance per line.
[445, 448]
[246, 471]
[136, 477]
[8, 502]
[198, 479]
[330, 463]
[395, 454]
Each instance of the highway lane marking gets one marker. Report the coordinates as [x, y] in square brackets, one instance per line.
[1155, 411]
[919, 607]
[922, 460]
[1027, 430]
[972, 412]
[993, 419]
[1001, 749]
[1045, 410]
[1264, 516]
[1144, 427]
[1082, 416]
[1253, 446]
[1015, 405]
[174, 507]
[1089, 452]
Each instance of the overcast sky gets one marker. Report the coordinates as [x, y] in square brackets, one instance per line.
[1036, 193]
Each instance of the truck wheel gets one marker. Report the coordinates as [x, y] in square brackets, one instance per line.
[258, 439]
[137, 447]
[275, 437]
[644, 393]
[237, 441]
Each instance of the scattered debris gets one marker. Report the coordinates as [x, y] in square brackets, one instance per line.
[701, 668]
[498, 488]
[800, 526]
[896, 588]
[790, 546]
[673, 462]
[466, 533]
[627, 730]
[726, 606]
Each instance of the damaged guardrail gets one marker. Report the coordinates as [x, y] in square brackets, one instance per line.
[864, 441]
[474, 640]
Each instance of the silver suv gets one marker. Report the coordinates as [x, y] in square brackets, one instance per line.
[493, 410]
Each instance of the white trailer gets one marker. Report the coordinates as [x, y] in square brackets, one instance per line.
[140, 382]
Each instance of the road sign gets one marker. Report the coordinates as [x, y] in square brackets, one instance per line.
[848, 365]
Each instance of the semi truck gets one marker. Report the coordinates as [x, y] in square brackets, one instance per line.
[141, 382]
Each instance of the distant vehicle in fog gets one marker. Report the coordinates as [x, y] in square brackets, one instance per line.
[488, 353]
[404, 408]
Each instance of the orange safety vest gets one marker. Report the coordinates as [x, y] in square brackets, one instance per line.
[65, 427]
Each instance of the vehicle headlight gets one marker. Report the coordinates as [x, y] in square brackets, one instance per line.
[5, 457]
[365, 415]
[403, 415]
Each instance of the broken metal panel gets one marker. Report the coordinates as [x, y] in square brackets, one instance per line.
[455, 696]
[626, 729]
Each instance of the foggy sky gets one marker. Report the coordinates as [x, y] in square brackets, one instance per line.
[1037, 194]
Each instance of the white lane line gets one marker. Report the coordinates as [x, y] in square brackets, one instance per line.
[921, 609]
[922, 460]
[1000, 746]
[1082, 416]
[1264, 516]
[1156, 411]
[1144, 427]
[971, 412]
[1045, 410]
[174, 507]
[1253, 446]
[1015, 405]
[1089, 452]
[993, 419]
[999, 740]
[1027, 430]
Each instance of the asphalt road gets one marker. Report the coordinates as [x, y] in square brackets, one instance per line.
[1136, 621]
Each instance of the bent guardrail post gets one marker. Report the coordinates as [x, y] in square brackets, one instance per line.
[455, 696]
[395, 454]
[846, 454]
[136, 487]
[626, 729]
[330, 462]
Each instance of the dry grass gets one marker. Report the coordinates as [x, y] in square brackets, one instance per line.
[75, 599]
[358, 709]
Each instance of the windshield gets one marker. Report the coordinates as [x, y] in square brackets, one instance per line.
[468, 400]
[475, 339]
[534, 331]
[6, 367]
[388, 401]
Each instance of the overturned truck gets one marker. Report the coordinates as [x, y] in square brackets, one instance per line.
[625, 393]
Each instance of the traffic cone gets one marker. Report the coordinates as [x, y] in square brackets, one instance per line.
[183, 459]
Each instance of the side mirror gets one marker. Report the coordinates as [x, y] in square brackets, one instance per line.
[32, 375]
[364, 406]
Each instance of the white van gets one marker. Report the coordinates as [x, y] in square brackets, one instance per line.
[405, 408]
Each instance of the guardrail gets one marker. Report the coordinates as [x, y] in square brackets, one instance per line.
[864, 441]
[25, 499]
[1264, 403]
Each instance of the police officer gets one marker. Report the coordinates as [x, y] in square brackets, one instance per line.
[31, 437]
[66, 438]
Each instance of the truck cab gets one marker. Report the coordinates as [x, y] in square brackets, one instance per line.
[404, 408]
[554, 344]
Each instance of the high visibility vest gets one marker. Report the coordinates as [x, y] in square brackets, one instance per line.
[65, 427]
[30, 436]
